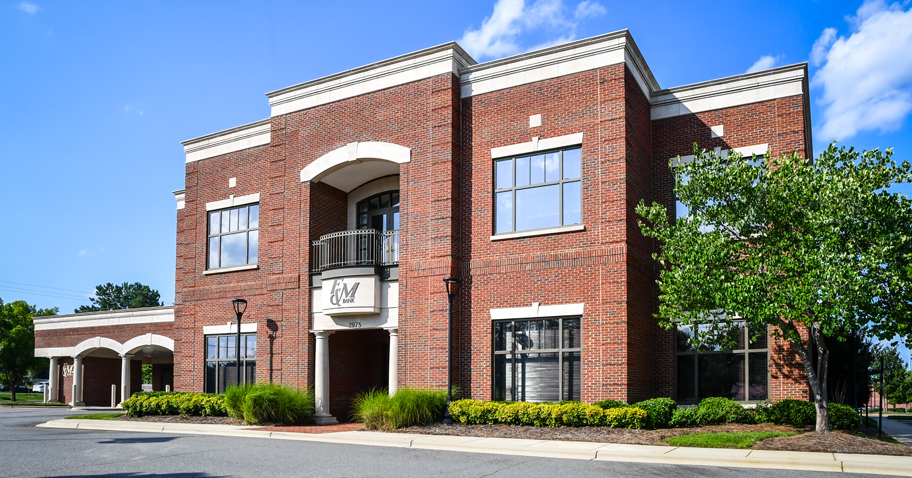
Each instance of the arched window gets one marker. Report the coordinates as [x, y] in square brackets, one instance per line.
[380, 212]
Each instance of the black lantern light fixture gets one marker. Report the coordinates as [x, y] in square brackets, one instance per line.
[240, 305]
[451, 293]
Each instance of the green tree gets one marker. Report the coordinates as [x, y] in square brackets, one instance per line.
[17, 342]
[820, 247]
[894, 374]
[126, 296]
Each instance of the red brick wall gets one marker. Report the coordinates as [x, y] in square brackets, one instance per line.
[358, 362]
[120, 333]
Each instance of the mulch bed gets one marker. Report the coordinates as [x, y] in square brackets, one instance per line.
[184, 419]
[835, 442]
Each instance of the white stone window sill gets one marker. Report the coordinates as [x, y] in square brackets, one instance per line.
[247, 267]
[539, 232]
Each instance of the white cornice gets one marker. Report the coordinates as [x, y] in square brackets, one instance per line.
[146, 315]
[536, 310]
[179, 196]
[437, 60]
[732, 91]
[228, 141]
[536, 145]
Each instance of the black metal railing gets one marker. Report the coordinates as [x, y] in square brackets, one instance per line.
[359, 247]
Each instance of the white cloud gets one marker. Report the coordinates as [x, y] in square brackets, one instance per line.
[90, 252]
[499, 34]
[28, 7]
[764, 63]
[132, 109]
[866, 77]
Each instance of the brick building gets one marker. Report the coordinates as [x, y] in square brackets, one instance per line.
[519, 177]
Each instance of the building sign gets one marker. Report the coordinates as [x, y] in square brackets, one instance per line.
[68, 369]
[351, 295]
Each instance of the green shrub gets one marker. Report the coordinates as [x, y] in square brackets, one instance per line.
[606, 404]
[175, 403]
[269, 403]
[684, 417]
[799, 413]
[717, 410]
[843, 417]
[378, 411]
[572, 414]
[658, 411]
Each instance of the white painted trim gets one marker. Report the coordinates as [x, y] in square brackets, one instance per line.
[438, 60]
[536, 310]
[179, 196]
[233, 201]
[537, 144]
[729, 92]
[229, 140]
[150, 315]
[752, 150]
[355, 153]
[89, 345]
[230, 328]
[539, 232]
[51, 352]
[222, 270]
[135, 343]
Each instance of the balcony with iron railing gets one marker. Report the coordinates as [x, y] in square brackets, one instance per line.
[358, 247]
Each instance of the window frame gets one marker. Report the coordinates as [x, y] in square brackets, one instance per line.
[561, 181]
[745, 352]
[220, 234]
[560, 351]
[393, 209]
[244, 360]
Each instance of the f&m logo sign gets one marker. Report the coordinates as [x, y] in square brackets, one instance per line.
[340, 293]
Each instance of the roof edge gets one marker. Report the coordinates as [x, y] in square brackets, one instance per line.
[744, 76]
[226, 131]
[103, 312]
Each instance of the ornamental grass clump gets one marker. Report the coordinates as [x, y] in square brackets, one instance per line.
[378, 411]
[270, 403]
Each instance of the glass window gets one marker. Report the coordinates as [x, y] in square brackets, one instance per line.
[741, 374]
[380, 212]
[537, 192]
[233, 237]
[221, 361]
[537, 360]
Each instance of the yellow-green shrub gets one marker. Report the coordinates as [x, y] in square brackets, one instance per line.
[175, 403]
[571, 414]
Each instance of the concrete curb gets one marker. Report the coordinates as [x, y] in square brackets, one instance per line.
[786, 460]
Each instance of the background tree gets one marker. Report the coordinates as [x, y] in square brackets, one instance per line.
[894, 375]
[17, 342]
[125, 296]
[791, 245]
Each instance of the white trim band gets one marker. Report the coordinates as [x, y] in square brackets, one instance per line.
[752, 150]
[537, 310]
[180, 196]
[539, 232]
[228, 141]
[229, 328]
[150, 315]
[233, 201]
[537, 145]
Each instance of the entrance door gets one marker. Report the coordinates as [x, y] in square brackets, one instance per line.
[380, 212]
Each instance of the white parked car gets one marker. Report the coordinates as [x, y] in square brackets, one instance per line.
[39, 387]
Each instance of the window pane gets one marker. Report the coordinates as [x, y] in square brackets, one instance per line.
[211, 348]
[739, 334]
[234, 220]
[537, 378]
[210, 377]
[537, 175]
[552, 167]
[242, 218]
[222, 369]
[214, 223]
[686, 374]
[396, 199]
[254, 216]
[231, 347]
[253, 246]
[522, 171]
[234, 250]
[362, 207]
[250, 372]
[503, 336]
[758, 376]
[573, 385]
[759, 338]
[571, 333]
[251, 346]
[226, 221]
[502, 378]
[683, 334]
[384, 201]
[521, 335]
[374, 203]
[721, 375]
[362, 219]
[571, 164]
[537, 208]
[504, 174]
[504, 215]
[572, 203]
[229, 370]
[551, 334]
[223, 347]
[396, 222]
[533, 339]
[213, 252]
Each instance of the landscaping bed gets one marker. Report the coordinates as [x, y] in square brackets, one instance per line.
[196, 419]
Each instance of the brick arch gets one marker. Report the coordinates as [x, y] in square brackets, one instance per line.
[354, 153]
[136, 343]
[86, 346]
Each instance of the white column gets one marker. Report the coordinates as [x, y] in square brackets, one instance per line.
[77, 382]
[52, 381]
[125, 377]
[393, 361]
[321, 379]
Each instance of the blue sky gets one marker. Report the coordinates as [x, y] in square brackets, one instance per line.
[95, 97]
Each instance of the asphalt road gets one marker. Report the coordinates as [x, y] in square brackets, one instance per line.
[26, 451]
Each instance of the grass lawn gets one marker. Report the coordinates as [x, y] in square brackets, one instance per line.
[96, 416]
[724, 440]
[34, 404]
[7, 396]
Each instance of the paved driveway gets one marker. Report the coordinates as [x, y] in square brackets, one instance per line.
[26, 451]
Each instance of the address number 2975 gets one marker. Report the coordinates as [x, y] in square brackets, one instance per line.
[354, 325]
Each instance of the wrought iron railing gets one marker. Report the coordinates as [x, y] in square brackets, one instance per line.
[359, 247]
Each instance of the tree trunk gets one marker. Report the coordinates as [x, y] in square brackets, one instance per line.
[817, 379]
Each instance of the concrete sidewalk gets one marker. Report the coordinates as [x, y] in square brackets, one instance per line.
[788, 460]
[901, 431]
